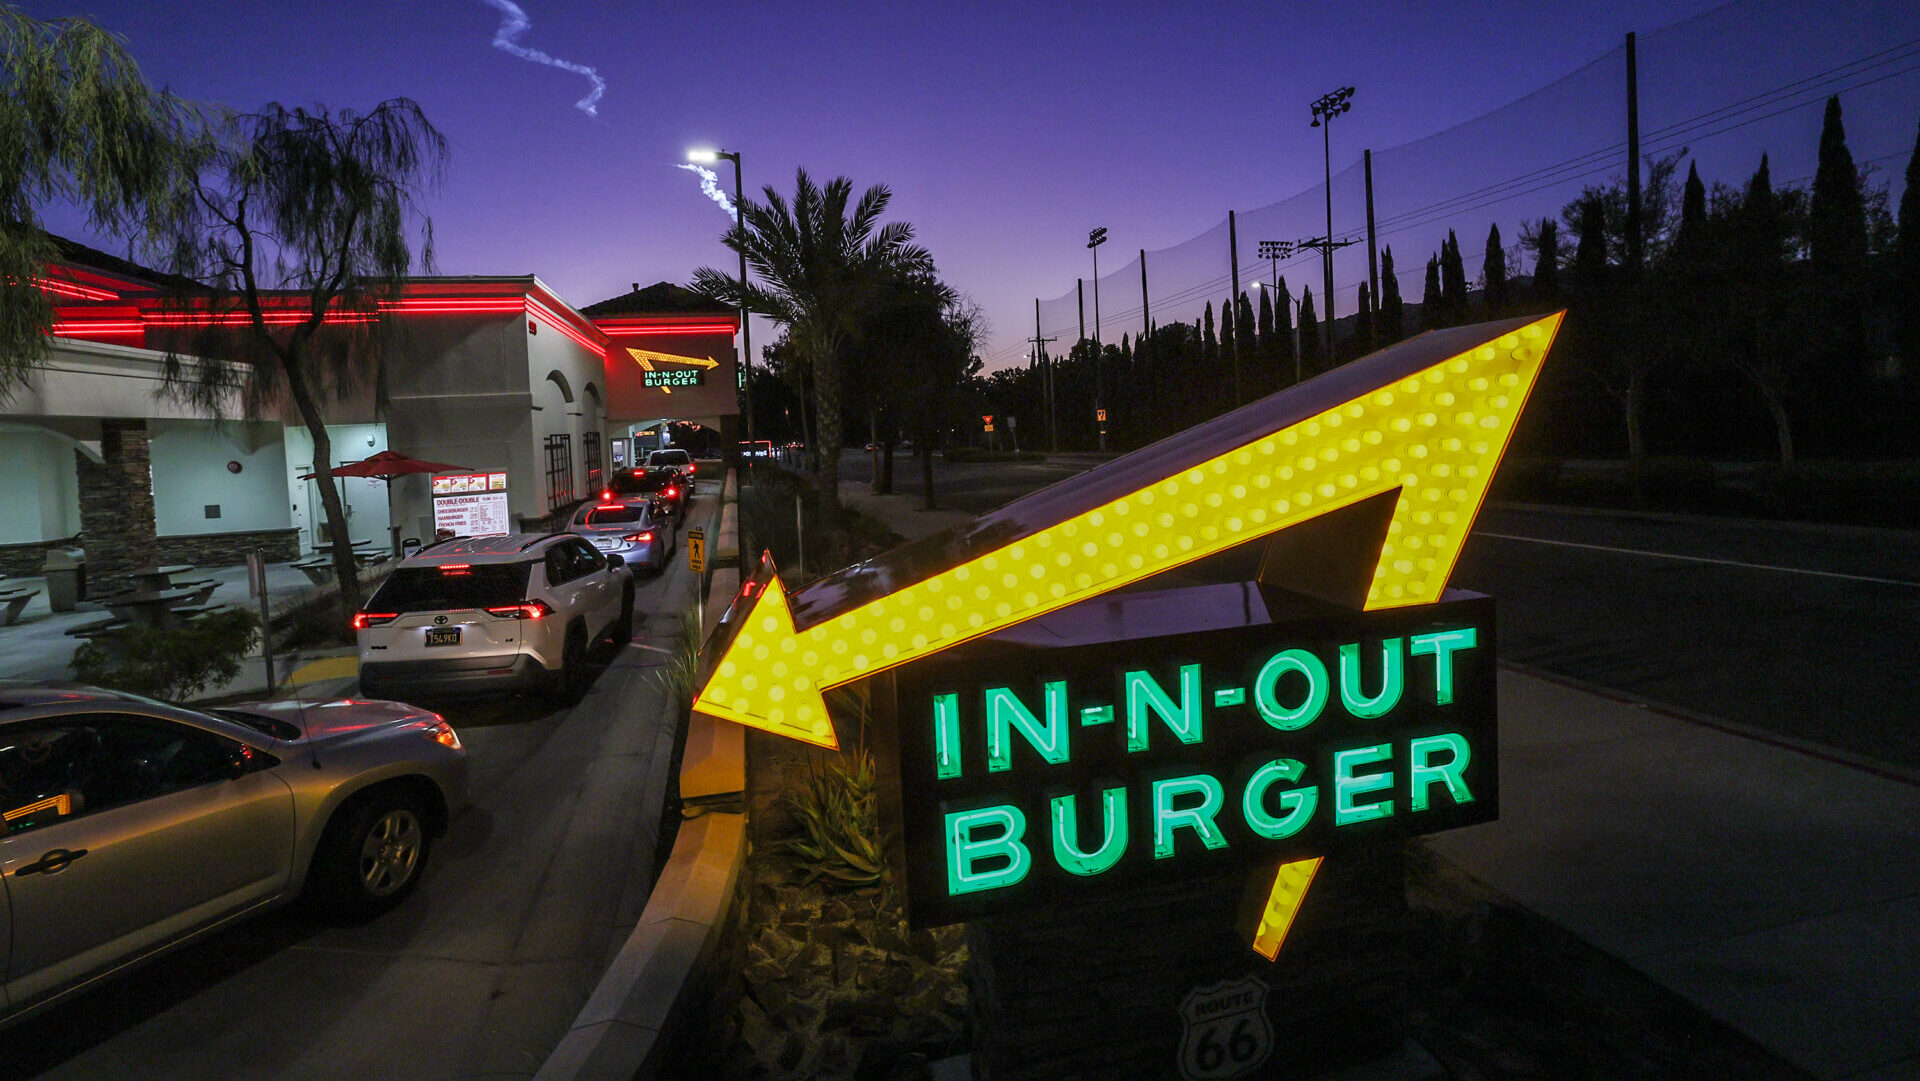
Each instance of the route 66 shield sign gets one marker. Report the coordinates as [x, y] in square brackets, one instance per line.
[1224, 1030]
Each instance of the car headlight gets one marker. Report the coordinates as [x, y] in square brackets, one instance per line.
[443, 734]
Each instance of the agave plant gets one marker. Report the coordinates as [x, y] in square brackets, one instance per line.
[837, 809]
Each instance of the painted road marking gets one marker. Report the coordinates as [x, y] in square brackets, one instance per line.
[1703, 559]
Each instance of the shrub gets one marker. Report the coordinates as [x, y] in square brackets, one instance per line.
[837, 809]
[174, 663]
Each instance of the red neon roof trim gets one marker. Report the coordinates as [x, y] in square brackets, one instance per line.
[74, 289]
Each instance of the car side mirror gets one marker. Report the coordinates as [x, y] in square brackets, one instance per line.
[616, 561]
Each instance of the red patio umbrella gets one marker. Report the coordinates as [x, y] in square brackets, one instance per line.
[387, 465]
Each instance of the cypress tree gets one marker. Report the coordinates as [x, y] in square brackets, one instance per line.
[1453, 282]
[1590, 252]
[1546, 266]
[1392, 310]
[1690, 239]
[1243, 329]
[1906, 265]
[1209, 346]
[1762, 350]
[1431, 314]
[1837, 282]
[1309, 335]
[1837, 214]
[1269, 349]
[1363, 323]
[1283, 329]
[1227, 337]
[1494, 269]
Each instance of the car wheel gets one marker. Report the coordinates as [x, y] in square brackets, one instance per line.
[371, 855]
[571, 681]
[623, 627]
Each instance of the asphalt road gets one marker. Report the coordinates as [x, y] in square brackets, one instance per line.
[1798, 630]
[480, 972]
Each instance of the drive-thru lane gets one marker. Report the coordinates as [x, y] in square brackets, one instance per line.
[477, 974]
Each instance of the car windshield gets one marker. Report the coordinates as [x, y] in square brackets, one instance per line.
[639, 482]
[449, 586]
[614, 514]
[669, 457]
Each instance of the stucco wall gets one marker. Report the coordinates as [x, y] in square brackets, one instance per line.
[190, 475]
[39, 499]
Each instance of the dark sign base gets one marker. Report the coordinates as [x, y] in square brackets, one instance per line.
[1097, 990]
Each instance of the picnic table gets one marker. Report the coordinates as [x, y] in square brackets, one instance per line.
[149, 608]
[154, 578]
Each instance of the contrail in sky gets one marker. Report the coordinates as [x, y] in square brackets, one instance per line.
[710, 183]
[513, 23]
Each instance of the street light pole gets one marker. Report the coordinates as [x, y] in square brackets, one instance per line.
[1324, 110]
[746, 332]
[1094, 239]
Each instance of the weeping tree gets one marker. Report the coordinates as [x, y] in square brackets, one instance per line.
[297, 231]
[822, 266]
[79, 125]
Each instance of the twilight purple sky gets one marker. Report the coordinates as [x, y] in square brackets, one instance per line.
[1005, 131]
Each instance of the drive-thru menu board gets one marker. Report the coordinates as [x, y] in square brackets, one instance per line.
[471, 504]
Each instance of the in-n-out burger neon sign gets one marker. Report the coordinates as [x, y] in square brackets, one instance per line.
[1041, 775]
[1406, 438]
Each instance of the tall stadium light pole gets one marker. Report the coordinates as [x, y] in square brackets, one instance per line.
[1094, 239]
[1324, 110]
[746, 333]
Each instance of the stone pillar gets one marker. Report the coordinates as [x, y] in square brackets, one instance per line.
[116, 504]
[1097, 990]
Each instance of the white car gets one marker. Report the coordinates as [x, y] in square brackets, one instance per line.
[485, 614]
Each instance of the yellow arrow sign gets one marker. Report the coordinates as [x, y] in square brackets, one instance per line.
[1436, 434]
[647, 358]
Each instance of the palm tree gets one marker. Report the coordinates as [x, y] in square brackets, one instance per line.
[821, 268]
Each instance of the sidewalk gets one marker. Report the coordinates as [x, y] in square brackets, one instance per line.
[38, 647]
[1777, 887]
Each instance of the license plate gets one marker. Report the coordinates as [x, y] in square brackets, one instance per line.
[604, 542]
[443, 636]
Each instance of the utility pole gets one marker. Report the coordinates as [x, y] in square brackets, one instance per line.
[1233, 302]
[1146, 323]
[1325, 109]
[1040, 354]
[1373, 248]
[1094, 239]
[1634, 250]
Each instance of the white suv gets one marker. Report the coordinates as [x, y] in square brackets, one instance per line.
[482, 614]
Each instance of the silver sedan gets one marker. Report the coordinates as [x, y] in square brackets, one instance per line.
[640, 531]
[129, 826]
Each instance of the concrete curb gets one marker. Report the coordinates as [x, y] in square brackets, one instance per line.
[626, 1029]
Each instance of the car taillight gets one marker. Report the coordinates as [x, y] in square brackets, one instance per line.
[606, 496]
[529, 610]
[363, 620]
[639, 538]
[671, 492]
[692, 469]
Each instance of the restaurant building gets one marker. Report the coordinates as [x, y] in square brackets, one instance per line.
[497, 375]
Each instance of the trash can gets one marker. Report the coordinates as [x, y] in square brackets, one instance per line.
[66, 571]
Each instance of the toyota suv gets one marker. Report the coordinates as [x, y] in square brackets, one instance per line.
[480, 614]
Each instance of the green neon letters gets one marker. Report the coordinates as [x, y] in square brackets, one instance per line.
[1144, 693]
[1422, 774]
[1198, 817]
[1391, 680]
[1005, 711]
[1299, 803]
[1266, 688]
[1113, 827]
[1347, 785]
[946, 735]
[1441, 645]
[965, 851]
